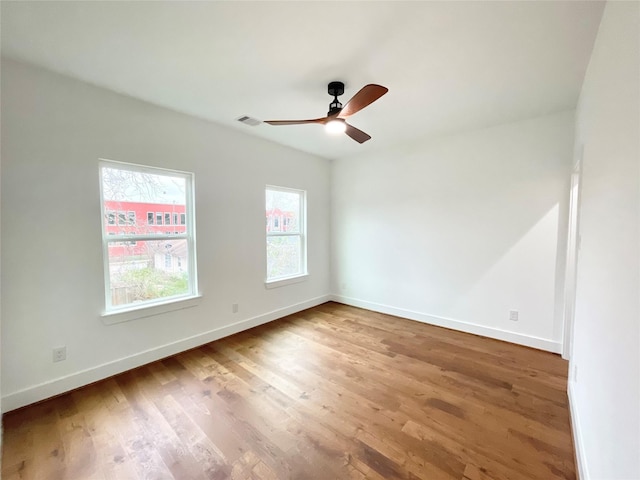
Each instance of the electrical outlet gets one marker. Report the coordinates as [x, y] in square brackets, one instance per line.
[513, 315]
[59, 354]
[234, 308]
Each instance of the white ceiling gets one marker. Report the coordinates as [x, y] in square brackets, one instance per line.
[449, 66]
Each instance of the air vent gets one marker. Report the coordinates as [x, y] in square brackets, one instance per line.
[247, 120]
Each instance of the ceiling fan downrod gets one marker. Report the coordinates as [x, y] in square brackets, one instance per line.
[335, 89]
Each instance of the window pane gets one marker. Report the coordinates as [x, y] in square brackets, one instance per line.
[283, 256]
[132, 195]
[283, 211]
[135, 186]
[143, 271]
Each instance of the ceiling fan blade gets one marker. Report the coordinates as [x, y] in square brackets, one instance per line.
[296, 122]
[358, 135]
[366, 96]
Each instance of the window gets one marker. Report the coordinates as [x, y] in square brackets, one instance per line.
[138, 263]
[175, 219]
[286, 248]
[167, 219]
[111, 218]
[182, 219]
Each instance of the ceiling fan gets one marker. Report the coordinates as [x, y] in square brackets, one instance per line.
[335, 122]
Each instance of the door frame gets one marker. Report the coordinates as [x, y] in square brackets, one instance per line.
[573, 249]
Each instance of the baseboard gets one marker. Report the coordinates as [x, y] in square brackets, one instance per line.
[64, 384]
[578, 444]
[496, 333]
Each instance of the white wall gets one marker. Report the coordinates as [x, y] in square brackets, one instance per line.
[605, 394]
[1, 409]
[54, 130]
[459, 230]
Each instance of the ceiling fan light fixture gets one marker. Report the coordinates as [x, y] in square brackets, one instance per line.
[335, 126]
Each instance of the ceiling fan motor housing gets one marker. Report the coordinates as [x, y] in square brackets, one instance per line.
[335, 89]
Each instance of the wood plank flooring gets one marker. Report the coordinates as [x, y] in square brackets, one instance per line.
[333, 392]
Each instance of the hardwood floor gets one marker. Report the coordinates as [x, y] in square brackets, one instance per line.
[333, 392]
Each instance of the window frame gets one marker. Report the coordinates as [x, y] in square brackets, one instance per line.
[303, 273]
[109, 238]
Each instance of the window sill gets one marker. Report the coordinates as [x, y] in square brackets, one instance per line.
[143, 311]
[285, 281]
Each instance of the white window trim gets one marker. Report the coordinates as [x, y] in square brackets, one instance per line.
[113, 314]
[283, 281]
[143, 311]
[302, 220]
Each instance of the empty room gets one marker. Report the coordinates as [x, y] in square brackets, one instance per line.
[320, 240]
